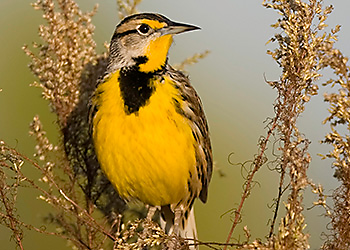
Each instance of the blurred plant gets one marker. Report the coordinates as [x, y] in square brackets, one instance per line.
[127, 7]
[191, 60]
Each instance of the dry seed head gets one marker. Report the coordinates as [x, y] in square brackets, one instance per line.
[69, 46]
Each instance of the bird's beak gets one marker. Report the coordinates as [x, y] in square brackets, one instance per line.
[177, 28]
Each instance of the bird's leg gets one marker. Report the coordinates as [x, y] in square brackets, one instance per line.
[172, 245]
[177, 221]
[150, 213]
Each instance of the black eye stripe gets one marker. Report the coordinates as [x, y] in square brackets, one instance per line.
[143, 29]
[119, 35]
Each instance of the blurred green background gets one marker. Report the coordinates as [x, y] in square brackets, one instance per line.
[230, 82]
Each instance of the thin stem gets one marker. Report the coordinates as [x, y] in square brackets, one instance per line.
[246, 191]
[279, 196]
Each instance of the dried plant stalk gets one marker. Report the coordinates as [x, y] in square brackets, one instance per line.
[67, 48]
[191, 60]
[301, 55]
[339, 138]
[127, 7]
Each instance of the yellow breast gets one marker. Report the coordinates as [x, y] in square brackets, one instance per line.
[148, 155]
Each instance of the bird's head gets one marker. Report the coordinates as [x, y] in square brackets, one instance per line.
[143, 40]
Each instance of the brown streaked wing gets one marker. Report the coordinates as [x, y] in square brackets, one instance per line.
[193, 111]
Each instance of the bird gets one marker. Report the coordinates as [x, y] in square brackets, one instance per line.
[148, 126]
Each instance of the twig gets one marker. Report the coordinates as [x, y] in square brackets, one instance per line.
[88, 215]
[91, 220]
[12, 219]
[246, 191]
[279, 196]
[210, 244]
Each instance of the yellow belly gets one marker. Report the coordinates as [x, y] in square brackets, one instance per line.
[150, 155]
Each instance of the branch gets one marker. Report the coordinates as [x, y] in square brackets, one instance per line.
[246, 192]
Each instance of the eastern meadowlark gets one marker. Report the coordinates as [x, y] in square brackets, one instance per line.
[148, 125]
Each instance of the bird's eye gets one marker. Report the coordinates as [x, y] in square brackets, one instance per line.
[143, 29]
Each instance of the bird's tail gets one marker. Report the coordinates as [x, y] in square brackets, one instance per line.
[190, 230]
[187, 228]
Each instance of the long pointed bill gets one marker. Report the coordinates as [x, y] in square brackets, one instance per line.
[177, 28]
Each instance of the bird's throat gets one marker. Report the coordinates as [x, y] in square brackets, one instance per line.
[156, 53]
